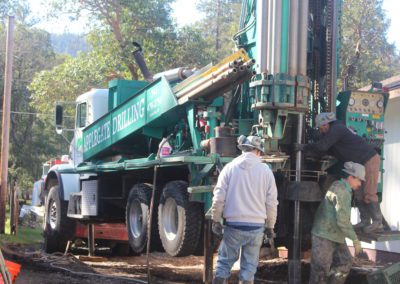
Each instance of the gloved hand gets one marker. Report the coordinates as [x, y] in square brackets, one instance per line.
[269, 234]
[357, 248]
[298, 147]
[217, 229]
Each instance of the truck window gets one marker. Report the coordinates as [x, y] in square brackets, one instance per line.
[81, 115]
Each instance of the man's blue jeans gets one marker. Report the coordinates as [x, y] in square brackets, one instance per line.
[229, 249]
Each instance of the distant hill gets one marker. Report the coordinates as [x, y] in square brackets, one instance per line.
[68, 43]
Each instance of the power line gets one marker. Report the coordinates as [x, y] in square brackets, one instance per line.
[29, 113]
[36, 113]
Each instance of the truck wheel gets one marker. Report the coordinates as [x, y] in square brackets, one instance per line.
[137, 210]
[58, 227]
[179, 220]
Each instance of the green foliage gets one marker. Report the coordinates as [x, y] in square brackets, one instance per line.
[191, 48]
[366, 55]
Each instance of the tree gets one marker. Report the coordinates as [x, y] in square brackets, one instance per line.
[20, 9]
[366, 55]
[32, 52]
[220, 23]
[146, 22]
[76, 75]
[110, 50]
[191, 48]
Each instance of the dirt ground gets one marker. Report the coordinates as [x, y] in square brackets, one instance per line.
[41, 268]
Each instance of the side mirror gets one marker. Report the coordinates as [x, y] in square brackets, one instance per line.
[59, 119]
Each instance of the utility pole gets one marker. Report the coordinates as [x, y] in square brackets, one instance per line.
[5, 135]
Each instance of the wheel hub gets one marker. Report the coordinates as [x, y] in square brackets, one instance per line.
[170, 218]
[53, 214]
[136, 219]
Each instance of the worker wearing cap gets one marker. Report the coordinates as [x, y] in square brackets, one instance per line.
[246, 196]
[348, 146]
[331, 260]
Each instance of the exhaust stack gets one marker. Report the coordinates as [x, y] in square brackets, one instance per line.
[138, 55]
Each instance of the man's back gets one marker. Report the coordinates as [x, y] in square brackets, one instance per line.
[344, 145]
[248, 187]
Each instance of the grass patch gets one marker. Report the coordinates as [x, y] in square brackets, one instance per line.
[24, 236]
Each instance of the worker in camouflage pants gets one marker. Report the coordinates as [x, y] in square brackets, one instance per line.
[331, 260]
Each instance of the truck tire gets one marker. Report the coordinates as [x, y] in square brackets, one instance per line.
[179, 220]
[137, 210]
[58, 227]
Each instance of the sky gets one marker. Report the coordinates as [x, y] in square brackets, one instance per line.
[185, 12]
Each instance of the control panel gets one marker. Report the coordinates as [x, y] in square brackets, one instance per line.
[363, 113]
[366, 103]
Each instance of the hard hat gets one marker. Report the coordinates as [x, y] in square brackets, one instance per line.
[324, 118]
[355, 170]
[250, 141]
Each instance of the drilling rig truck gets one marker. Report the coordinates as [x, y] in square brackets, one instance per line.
[175, 131]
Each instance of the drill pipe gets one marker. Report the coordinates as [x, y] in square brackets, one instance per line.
[179, 73]
[224, 68]
[222, 77]
[204, 80]
[218, 83]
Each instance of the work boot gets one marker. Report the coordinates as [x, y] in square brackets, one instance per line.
[219, 280]
[376, 215]
[337, 277]
[364, 215]
[337, 280]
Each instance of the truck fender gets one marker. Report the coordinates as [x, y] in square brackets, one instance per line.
[68, 183]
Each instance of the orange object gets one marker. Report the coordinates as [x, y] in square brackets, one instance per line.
[13, 268]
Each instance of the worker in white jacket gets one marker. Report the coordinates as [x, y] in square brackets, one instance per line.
[246, 197]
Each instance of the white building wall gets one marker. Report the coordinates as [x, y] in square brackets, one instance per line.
[391, 179]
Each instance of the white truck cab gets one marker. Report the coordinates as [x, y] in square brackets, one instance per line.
[90, 106]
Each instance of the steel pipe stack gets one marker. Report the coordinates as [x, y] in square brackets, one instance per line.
[281, 24]
[281, 53]
[215, 80]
